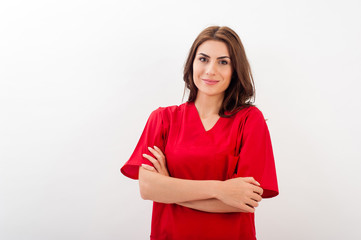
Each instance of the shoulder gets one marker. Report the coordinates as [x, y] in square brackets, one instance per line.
[251, 112]
[255, 113]
[168, 111]
[249, 118]
[254, 122]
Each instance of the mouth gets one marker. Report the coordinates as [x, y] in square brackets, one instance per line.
[210, 82]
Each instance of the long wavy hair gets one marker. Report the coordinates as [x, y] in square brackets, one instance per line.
[241, 91]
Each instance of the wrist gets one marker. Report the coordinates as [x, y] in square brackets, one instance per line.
[216, 189]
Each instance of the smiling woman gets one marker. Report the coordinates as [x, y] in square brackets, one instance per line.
[211, 73]
[207, 163]
[240, 93]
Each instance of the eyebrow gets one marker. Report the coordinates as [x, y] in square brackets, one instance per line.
[209, 56]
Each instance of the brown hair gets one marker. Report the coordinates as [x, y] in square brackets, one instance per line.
[240, 91]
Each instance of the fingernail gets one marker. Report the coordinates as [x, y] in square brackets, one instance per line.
[149, 148]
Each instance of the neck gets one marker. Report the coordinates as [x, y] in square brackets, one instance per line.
[208, 105]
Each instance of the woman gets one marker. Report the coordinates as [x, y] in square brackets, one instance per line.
[207, 163]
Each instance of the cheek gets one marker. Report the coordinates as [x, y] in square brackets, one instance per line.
[196, 70]
[228, 74]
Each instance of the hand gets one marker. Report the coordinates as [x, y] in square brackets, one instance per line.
[159, 163]
[243, 193]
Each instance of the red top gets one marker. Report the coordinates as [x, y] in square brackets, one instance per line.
[239, 146]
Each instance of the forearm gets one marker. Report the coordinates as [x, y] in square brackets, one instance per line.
[210, 205]
[164, 189]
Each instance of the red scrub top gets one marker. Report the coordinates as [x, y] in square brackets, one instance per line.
[239, 146]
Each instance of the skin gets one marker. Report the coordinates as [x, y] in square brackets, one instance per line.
[211, 62]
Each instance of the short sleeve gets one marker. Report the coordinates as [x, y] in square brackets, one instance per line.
[256, 155]
[154, 134]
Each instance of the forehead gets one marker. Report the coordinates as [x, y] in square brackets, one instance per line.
[213, 48]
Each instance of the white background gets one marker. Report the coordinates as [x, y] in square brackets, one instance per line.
[78, 80]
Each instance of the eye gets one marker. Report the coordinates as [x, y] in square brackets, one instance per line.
[202, 59]
[223, 62]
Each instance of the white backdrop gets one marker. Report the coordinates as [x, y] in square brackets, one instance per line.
[78, 80]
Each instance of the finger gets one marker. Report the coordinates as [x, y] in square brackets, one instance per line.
[256, 197]
[150, 168]
[154, 152]
[253, 203]
[160, 151]
[258, 190]
[154, 161]
[161, 157]
[249, 208]
[253, 181]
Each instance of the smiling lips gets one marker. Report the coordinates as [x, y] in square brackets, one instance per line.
[210, 82]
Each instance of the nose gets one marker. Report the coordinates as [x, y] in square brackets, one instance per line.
[211, 69]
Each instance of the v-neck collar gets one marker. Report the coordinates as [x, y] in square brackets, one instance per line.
[200, 123]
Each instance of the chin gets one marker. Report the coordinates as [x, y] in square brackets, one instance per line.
[210, 93]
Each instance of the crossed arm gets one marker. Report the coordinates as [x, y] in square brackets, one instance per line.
[233, 195]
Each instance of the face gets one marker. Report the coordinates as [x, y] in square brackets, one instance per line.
[212, 69]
